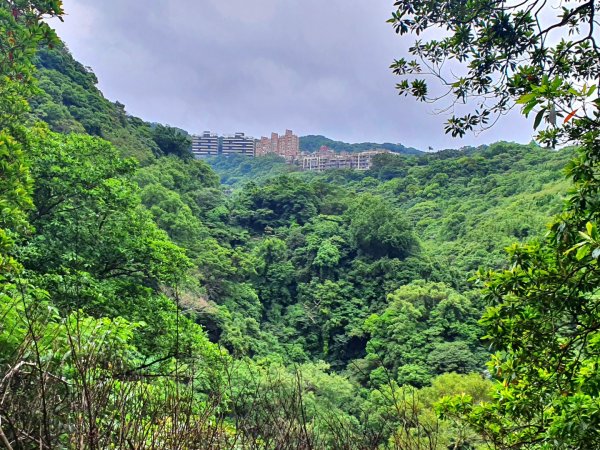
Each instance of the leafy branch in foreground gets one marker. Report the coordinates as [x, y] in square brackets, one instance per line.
[492, 53]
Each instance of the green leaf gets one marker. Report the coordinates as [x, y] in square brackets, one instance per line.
[582, 252]
[529, 107]
[526, 98]
[591, 90]
[538, 119]
[590, 228]
[575, 247]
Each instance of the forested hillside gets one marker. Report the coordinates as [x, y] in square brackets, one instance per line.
[343, 243]
[236, 169]
[149, 300]
[69, 101]
[312, 143]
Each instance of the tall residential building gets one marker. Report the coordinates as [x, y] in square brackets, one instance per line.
[205, 145]
[238, 144]
[289, 146]
[286, 145]
[275, 143]
[263, 146]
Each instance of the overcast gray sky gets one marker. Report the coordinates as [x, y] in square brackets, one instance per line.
[315, 66]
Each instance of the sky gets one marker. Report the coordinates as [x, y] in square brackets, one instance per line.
[256, 66]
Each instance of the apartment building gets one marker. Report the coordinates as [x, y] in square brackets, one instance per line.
[206, 144]
[238, 144]
[263, 146]
[326, 159]
[286, 145]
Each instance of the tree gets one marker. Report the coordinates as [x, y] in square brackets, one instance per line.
[22, 30]
[504, 51]
[378, 230]
[172, 141]
[544, 319]
[427, 329]
[275, 274]
[280, 202]
[409, 413]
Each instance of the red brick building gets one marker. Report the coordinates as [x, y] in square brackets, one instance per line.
[263, 146]
[286, 145]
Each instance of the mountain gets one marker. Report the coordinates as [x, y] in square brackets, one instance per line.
[312, 143]
[265, 308]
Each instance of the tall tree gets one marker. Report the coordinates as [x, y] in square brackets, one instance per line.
[377, 228]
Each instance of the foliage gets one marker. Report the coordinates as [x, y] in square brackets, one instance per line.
[281, 201]
[318, 281]
[238, 169]
[15, 190]
[22, 30]
[69, 101]
[506, 52]
[172, 141]
[543, 327]
[410, 413]
[426, 329]
[377, 229]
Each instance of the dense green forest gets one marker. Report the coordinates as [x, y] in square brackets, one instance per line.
[236, 169]
[151, 300]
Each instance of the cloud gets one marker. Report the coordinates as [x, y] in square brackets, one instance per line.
[318, 67]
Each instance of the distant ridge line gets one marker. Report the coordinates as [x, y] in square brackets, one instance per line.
[312, 143]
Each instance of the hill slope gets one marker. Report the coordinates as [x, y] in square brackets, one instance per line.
[312, 143]
[69, 101]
